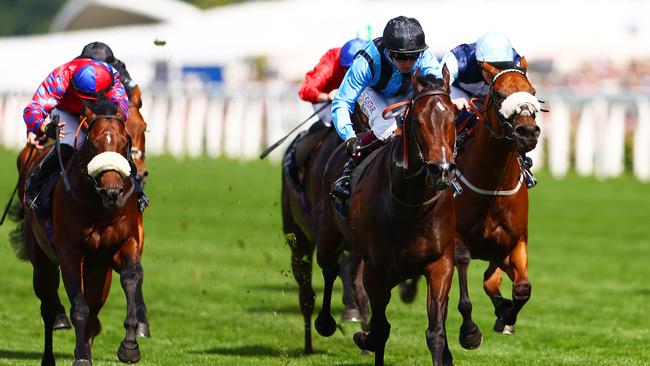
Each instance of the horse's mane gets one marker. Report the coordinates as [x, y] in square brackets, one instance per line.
[431, 82]
[102, 105]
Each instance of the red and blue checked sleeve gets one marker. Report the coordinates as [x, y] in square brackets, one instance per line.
[118, 95]
[47, 97]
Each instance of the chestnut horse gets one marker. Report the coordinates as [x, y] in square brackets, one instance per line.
[492, 213]
[298, 209]
[401, 219]
[94, 228]
[136, 127]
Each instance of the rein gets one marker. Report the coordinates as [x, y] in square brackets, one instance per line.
[64, 175]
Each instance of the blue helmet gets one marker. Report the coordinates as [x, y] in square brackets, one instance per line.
[349, 50]
[90, 79]
[494, 47]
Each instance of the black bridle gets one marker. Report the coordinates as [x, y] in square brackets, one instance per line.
[414, 138]
[64, 174]
[507, 127]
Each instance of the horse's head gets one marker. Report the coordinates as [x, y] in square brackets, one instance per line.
[515, 105]
[136, 127]
[432, 130]
[105, 150]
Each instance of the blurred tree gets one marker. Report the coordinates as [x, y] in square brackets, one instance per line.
[19, 17]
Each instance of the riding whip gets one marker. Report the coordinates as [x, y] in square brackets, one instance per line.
[13, 194]
[280, 141]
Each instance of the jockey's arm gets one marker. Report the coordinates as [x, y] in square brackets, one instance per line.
[313, 87]
[428, 64]
[355, 81]
[47, 97]
[118, 95]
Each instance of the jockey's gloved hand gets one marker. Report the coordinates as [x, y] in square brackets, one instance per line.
[50, 130]
[353, 147]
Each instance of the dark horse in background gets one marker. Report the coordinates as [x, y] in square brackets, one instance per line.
[94, 228]
[492, 213]
[299, 204]
[401, 220]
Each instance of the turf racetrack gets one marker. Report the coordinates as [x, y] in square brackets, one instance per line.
[219, 291]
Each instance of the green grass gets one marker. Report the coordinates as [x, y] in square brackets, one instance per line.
[219, 290]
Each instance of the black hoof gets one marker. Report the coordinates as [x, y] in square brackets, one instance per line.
[325, 324]
[407, 291]
[82, 362]
[351, 315]
[128, 353]
[61, 322]
[143, 330]
[360, 338]
[471, 338]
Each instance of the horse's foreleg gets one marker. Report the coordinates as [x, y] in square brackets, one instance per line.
[143, 323]
[517, 270]
[351, 313]
[96, 285]
[130, 278]
[360, 294]
[492, 286]
[439, 275]
[70, 262]
[470, 336]
[302, 252]
[379, 294]
[325, 323]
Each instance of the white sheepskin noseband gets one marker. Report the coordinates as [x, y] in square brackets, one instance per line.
[515, 101]
[109, 160]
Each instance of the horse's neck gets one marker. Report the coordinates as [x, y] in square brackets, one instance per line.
[408, 183]
[490, 163]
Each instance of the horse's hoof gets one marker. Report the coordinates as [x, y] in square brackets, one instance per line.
[143, 330]
[325, 324]
[470, 339]
[128, 353]
[82, 362]
[61, 321]
[351, 315]
[360, 338]
[501, 327]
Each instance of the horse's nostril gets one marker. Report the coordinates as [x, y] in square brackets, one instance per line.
[527, 131]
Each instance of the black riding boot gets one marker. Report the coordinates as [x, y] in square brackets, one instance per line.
[526, 164]
[143, 201]
[48, 166]
[341, 188]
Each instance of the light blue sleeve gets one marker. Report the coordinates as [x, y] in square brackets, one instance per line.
[450, 60]
[353, 84]
[428, 64]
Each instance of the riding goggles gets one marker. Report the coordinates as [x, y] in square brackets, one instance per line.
[405, 56]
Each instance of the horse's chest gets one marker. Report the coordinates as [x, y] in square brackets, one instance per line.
[106, 236]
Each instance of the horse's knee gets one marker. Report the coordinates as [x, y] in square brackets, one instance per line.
[462, 256]
[80, 310]
[521, 291]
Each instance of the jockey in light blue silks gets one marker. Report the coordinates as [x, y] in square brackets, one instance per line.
[469, 80]
[379, 76]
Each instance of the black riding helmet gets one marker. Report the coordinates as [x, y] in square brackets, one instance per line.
[98, 51]
[404, 35]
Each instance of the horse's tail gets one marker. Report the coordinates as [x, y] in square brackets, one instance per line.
[17, 215]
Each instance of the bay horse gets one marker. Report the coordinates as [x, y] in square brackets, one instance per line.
[492, 212]
[401, 219]
[298, 209]
[136, 127]
[94, 229]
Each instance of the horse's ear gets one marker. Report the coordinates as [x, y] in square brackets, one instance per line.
[417, 86]
[491, 70]
[136, 97]
[445, 74]
[523, 63]
[88, 113]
